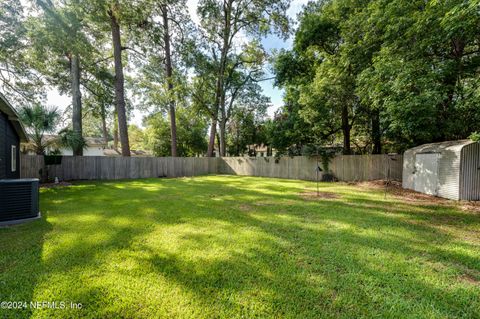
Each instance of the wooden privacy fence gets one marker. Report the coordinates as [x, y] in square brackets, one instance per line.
[344, 167]
[102, 167]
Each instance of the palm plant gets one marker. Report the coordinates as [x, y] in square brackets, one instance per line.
[39, 120]
[71, 139]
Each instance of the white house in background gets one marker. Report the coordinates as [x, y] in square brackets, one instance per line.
[95, 146]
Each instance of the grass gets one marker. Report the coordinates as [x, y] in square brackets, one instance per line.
[231, 247]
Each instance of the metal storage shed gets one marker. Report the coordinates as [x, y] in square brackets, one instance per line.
[447, 169]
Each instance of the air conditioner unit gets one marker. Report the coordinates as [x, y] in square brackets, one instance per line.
[18, 200]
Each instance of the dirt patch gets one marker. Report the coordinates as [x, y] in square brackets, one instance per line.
[470, 207]
[245, 208]
[469, 279]
[309, 195]
[52, 185]
[263, 204]
[395, 189]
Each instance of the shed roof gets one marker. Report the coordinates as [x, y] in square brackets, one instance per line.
[441, 146]
[7, 108]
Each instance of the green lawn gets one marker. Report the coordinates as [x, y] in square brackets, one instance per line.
[230, 247]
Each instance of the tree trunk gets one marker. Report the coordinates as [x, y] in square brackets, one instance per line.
[119, 84]
[168, 70]
[346, 131]
[115, 134]
[237, 139]
[211, 142]
[218, 144]
[222, 135]
[219, 87]
[76, 101]
[376, 133]
[104, 123]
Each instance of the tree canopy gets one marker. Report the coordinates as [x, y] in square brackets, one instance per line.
[360, 76]
[382, 75]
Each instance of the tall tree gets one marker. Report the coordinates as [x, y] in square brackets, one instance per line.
[119, 19]
[374, 74]
[76, 102]
[166, 40]
[292, 129]
[246, 130]
[18, 78]
[234, 19]
[333, 87]
[192, 133]
[114, 13]
[99, 101]
[424, 83]
[61, 20]
[168, 73]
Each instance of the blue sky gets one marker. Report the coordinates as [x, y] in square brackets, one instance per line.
[270, 43]
[274, 43]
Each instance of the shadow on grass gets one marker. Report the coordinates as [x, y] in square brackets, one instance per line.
[21, 248]
[207, 241]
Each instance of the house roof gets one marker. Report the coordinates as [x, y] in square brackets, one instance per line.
[7, 108]
[111, 152]
[91, 141]
[95, 141]
[441, 146]
[134, 153]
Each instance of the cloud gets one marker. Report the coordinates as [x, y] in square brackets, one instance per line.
[295, 8]
[192, 9]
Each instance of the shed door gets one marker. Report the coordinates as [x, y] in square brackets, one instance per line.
[426, 173]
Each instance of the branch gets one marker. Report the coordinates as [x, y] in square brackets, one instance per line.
[101, 60]
[266, 79]
[133, 50]
[180, 28]
[234, 94]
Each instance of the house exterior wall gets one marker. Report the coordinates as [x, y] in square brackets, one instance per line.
[470, 172]
[88, 151]
[3, 145]
[8, 137]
